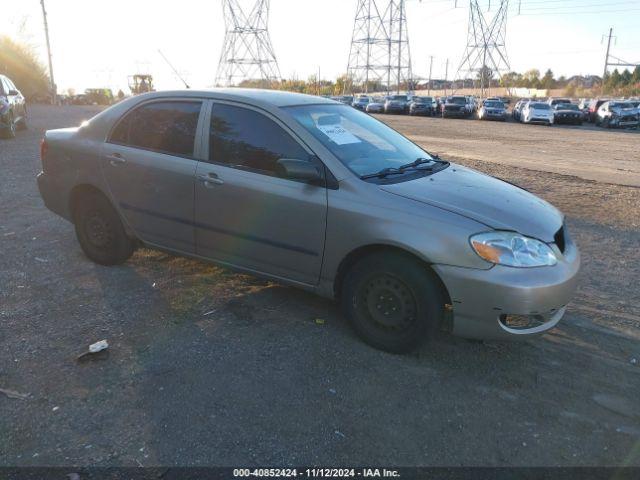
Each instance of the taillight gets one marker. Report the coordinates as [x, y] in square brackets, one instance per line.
[44, 149]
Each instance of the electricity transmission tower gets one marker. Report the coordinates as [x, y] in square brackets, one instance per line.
[380, 57]
[486, 52]
[613, 61]
[247, 53]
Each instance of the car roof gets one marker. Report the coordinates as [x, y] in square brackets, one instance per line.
[255, 96]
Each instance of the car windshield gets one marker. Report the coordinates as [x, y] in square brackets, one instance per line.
[422, 99]
[457, 100]
[620, 105]
[362, 143]
[363, 100]
[494, 104]
[567, 106]
[539, 106]
[401, 98]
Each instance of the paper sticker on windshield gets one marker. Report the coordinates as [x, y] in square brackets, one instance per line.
[339, 134]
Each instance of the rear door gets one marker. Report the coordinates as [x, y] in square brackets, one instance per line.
[149, 163]
[246, 214]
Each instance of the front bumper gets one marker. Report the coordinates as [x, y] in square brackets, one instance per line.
[482, 298]
[454, 113]
[395, 108]
[571, 119]
[541, 120]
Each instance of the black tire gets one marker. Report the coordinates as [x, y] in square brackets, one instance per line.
[401, 284]
[100, 231]
[10, 131]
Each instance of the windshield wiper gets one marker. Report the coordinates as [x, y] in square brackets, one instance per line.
[402, 168]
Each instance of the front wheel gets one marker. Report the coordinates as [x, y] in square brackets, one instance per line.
[10, 130]
[392, 301]
[100, 231]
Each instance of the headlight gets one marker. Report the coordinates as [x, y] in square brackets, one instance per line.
[512, 249]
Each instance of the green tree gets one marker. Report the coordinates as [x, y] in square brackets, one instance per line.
[636, 74]
[626, 77]
[548, 81]
[19, 62]
[531, 78]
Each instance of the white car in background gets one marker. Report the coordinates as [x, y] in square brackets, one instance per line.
[537, 112]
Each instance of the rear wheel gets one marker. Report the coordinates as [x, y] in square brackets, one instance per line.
[392, 301]
[100, 231]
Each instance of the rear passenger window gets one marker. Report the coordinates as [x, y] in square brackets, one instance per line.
[165, 127]
[244, 138]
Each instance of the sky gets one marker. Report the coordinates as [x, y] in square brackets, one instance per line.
[98, 43]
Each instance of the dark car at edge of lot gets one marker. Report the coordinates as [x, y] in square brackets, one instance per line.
[396, 104]
[455, 106]
[422, 106]
[13, 108]
[567, 113]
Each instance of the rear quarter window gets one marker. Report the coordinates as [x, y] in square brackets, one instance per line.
[165, 127]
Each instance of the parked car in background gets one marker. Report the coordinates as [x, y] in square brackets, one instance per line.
[456, 106]
[616, 114]
[568, 113]
[492, 110]
[516, 112]
[396, 104]
[339, 204]
[376, 105]
[13, 108]
[555, 101]
[584, 108]
[346, 99]
[594, 105]
[422, 106]
[537, 112]
[361, 102]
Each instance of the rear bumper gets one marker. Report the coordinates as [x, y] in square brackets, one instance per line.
[52, 196]
[483, 298]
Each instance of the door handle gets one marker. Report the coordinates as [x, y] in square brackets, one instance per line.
[116, 159]
[210, 179]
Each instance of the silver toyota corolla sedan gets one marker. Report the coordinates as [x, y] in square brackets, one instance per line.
[312, 193]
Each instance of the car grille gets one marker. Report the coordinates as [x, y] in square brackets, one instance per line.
[628, 118]
[559, 239]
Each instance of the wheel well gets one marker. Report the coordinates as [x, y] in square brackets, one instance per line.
[358, 254]
[77, 193]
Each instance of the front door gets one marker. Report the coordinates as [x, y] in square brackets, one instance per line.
[246, 214]
[149, 163]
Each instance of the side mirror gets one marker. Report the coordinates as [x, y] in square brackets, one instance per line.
[13, 92]
[295, 169]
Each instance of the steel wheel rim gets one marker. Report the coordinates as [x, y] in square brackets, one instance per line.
[388, 303]
[98, 230]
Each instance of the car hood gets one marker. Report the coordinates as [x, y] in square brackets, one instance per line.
[488, 200]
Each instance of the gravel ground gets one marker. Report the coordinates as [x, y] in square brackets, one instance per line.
[208, 367]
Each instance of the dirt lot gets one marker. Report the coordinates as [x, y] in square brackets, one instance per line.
[208, 367]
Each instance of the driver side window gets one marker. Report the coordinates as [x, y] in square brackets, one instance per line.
[248, 140]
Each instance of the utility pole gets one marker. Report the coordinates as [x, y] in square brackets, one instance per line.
[606, 58]
[430, 70]
[54, 93]
[446, 77]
